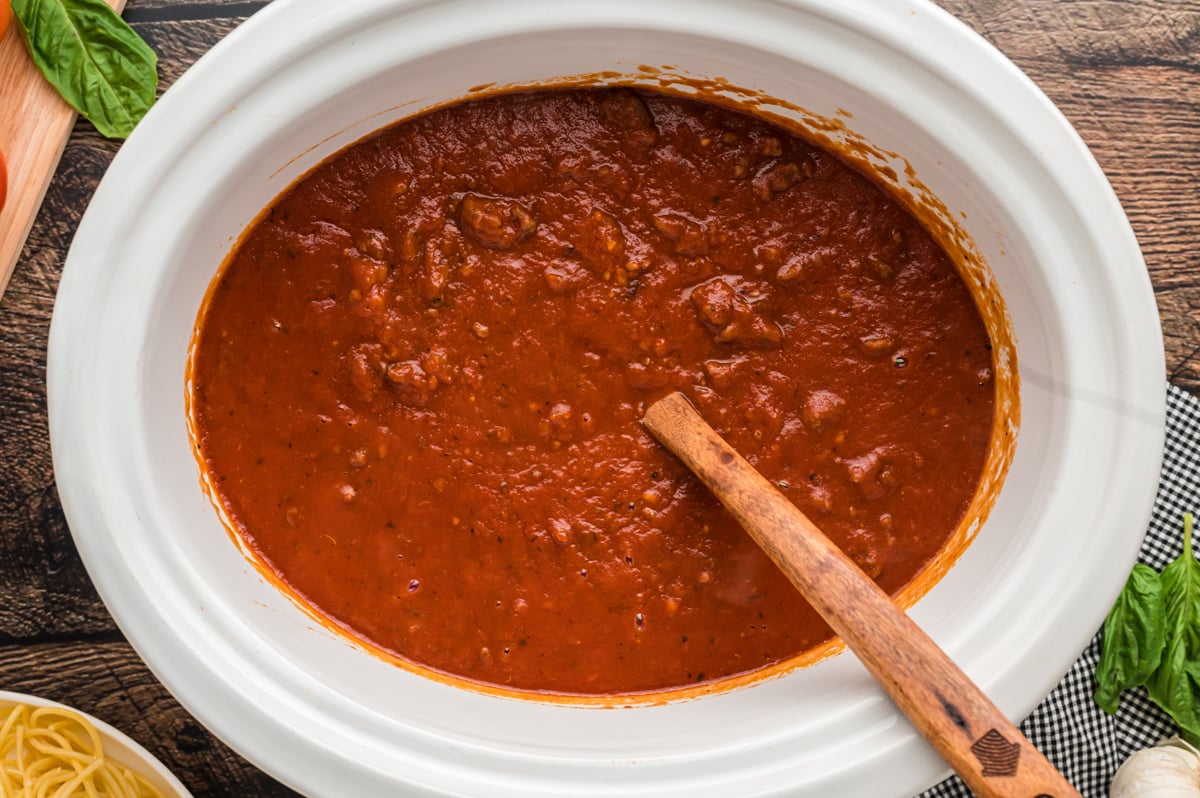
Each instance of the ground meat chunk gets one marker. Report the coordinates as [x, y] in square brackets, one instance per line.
[779, 176]
[803, 260]
[411, 244]
[442, 256]
[714, 302]
[624, 110]
[436, 363]
[643, 377]
[821, 408]
[564, 277]
[720, 373]
[689, 235]
[582, 170]
[412, 383]
[495, 222]
[365, 271]
[874, 473]
[364, 367]
[602, 243]
[820, 498]
[374, 244]
[770, 146]
[735, 312]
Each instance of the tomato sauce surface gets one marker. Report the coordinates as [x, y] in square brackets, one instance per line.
[418, 379]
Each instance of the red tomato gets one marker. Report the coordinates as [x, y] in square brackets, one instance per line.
[5, 16]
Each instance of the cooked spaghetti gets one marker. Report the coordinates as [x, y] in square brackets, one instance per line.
[52, 752]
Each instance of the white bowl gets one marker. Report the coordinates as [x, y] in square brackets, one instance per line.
[304, 78]
[116, 745]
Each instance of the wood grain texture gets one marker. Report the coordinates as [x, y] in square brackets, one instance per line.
[987, 751]
[57, 639]
[33, 132]
[107, 680]
[40, 567]
[1125, 72]
[1127, 76]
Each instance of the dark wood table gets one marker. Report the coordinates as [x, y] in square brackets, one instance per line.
[1125, 72]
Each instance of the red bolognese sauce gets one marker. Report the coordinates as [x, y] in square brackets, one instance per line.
[418, 378]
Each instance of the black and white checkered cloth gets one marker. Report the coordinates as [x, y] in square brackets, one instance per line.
[1082, 741]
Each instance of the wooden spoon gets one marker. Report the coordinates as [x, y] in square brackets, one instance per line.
[979, 742]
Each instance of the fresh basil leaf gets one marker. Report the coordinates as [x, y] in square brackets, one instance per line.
[1133, 639]
[1176, 689]
[93, 58]
[1175, 684]
[1191, 735]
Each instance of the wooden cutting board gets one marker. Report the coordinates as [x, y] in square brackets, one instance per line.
[34, 126]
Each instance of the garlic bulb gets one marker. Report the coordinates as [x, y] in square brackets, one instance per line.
[1169, 770]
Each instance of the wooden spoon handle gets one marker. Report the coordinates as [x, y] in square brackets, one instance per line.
[985, 749]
